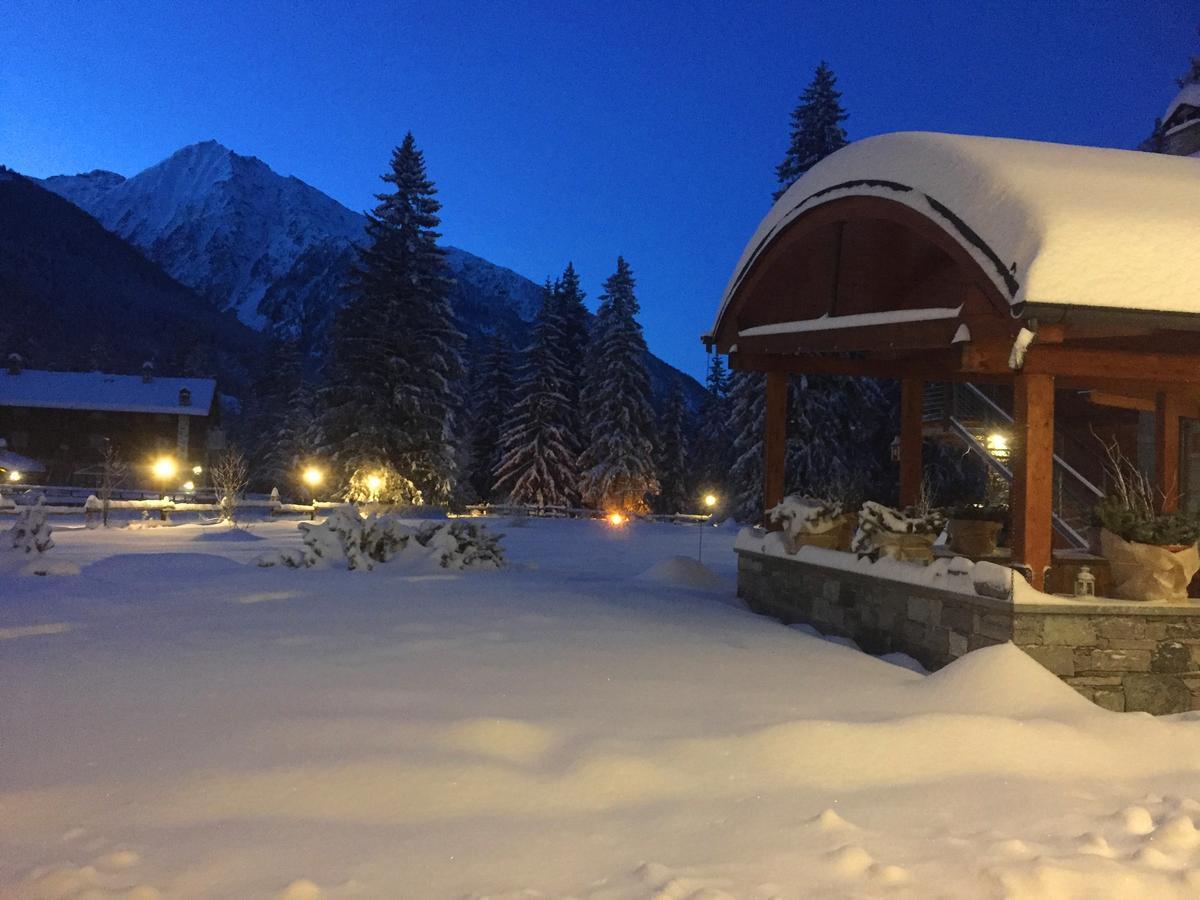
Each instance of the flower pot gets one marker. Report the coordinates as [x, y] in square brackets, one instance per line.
[836, 538]
[1150, 572]
[906, 547]
[974, 538]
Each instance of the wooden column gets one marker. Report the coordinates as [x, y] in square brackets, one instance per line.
[774, 441]
[1033, 475]
[911, 402]
[1166, 450]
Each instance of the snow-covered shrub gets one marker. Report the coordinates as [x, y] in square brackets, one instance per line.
[880, 529]
[291, 558]
[462, 545]
[806, 515]
[31, 533]
[362, 543]
[93, 509]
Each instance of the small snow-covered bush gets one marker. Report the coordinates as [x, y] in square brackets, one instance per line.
[31, 533]
[806, 515]
[462, 545]
[363, 542]
[93, 509]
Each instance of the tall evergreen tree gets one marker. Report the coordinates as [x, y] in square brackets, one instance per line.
[712, 446]
[747, 400]
[618, 463]
[283, 440]
[816, 128]
[493, 398]
[575, 331]
[538, 465]
[674, 495]
[395, 351]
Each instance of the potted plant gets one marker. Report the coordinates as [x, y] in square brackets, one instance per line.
[1152, 555]
[904, 534]
[813, 522]
[974, 528]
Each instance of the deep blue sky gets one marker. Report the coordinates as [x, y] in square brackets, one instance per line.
[559, 131]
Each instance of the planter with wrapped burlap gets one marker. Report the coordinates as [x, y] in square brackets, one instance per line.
[1148, 571]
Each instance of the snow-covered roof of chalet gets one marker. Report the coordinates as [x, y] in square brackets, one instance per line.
[1189, 95]
[104, 392]
[1049, 223]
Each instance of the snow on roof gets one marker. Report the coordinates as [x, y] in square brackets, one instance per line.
[1189, 95]
[15, 462]
[1049, 223]
[100, 391]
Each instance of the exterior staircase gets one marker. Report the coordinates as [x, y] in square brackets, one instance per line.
[968, 415]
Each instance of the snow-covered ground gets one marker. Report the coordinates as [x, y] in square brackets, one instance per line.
[599, 721]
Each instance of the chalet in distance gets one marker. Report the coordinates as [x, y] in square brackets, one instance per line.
[64, 419]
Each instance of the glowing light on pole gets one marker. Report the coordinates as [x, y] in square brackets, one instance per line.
[615, 519]
[14, 475]
[312, 478]
[710, 501]
[374, 484]
[164, 470]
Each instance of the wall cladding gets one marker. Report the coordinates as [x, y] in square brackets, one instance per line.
[1120, 656]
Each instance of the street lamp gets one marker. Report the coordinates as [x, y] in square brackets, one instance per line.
[312, 479]
[374, 484]
[14, 475]
[164, 470]
[710, 501]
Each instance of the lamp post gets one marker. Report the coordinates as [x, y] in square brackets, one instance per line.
[710, 500]
[164, 470]
[312, 479]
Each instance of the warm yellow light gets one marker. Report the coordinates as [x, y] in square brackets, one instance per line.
[616, 520]
[314, 476]
[196, 470]
[374, 483]
[14, 475]
[189, 485]
[997, 443]
[165, 468]
[710, 500]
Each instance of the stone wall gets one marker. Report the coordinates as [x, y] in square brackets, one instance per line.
[1119, 654]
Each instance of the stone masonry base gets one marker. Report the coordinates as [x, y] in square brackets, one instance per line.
[1120, 655]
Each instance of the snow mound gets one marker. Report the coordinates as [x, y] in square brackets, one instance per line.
[1001, 680]
[227, 534]
[43, 566]
[683, 571]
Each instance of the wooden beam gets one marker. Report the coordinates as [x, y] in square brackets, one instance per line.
[1121, 401]
[935, 334]
[1166, 450]
[911, 403]
[774, 442]
[1125, 365]
[1033, 474]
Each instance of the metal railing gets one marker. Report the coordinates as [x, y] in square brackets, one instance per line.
[971, 416]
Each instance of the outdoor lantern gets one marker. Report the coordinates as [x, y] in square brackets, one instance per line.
[164, 468]
[14, 475]
[616, 520]
[1085, 583]
[710, 500]
[313, 477]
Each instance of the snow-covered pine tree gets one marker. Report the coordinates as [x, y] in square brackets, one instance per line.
[618, 463]
[711, 447]
[573, 324]
[284, 419]
[493, 399]
[816, 128]
[538, 465]
[747, 398]
[395, 350]
[674, 495]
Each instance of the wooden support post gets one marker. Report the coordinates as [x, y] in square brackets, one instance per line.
[912, 392]
[774, 441]
[1166, 450]
[1033, 475]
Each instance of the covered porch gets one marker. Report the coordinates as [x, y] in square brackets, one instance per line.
[1038, 277]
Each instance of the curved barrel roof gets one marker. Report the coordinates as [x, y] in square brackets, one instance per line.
[1049, 223]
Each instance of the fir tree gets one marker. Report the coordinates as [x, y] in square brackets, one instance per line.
[711, 456]
[674, 495]
[538, 465]
[494, 397]
[618, 464]
[747, 400]
[816, 128]
[395, 351]
[575, 333]
[284, 428]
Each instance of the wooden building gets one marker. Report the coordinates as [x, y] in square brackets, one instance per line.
[64, 419]
[1042, 269]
